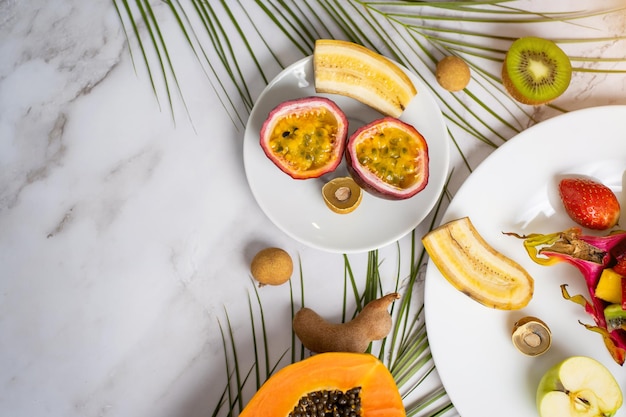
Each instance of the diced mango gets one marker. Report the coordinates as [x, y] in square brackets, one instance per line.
[609, 286]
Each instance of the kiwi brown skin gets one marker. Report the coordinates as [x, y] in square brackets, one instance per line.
[518, 81]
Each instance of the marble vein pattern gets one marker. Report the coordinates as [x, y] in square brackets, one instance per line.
[124, 234]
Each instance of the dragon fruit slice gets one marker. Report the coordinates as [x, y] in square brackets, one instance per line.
[591, 255]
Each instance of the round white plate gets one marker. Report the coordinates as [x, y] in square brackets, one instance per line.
[514, 190]
[297, 207]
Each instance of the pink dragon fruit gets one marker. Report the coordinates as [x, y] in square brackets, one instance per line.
[591, 255]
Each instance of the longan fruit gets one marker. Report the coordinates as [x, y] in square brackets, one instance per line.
[453, 73]
[272, 266]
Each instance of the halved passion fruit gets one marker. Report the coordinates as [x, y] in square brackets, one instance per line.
[388, 158]
[305, 137]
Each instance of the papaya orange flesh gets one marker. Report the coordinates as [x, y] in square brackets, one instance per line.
[342, 371]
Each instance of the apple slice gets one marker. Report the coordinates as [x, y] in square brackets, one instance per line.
[579, 386]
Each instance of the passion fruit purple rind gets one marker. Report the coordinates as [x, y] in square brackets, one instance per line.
[305, 137]
[388, 158]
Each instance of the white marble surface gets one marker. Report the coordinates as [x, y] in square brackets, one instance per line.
[124, 236]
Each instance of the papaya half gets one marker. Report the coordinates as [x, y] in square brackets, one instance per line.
[327, 384]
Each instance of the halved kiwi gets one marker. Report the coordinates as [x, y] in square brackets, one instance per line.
[536, 70]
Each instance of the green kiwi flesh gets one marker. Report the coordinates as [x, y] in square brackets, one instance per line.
[536, 71]
[615, 316]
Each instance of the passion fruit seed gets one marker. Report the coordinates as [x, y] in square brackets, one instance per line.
[271, 266]
[305, 140]
[305, 137]
[390, 154]
[453, 73]
[329, 403]
[388, 158]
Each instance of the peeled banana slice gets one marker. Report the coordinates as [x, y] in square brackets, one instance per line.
[473, 267]
[352, 70]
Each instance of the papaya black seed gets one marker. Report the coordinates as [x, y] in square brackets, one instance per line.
[326, 403]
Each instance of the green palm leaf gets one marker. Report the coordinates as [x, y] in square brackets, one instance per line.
[415, 33]
[235, 48]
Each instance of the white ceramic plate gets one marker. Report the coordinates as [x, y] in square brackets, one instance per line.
[514, 189]
[297, 207]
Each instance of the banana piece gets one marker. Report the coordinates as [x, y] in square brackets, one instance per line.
[352, 70]
[473, 267]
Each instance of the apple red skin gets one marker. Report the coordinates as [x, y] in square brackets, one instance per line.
[301, 105]
[371, 187]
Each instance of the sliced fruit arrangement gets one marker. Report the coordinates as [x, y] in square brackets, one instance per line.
[329, 384]
[352, 70]
[388, 158]
[536, 71]
[589, 203]
[596, 257]
[578, 386]
[305, 137]
[475, 268]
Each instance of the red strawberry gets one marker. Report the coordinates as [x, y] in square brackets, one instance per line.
[589, 203]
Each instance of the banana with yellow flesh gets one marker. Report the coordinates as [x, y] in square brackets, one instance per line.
[352, 70]
[475, 268]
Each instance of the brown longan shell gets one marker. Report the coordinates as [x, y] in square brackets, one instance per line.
[453, 73]
[272, 266]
